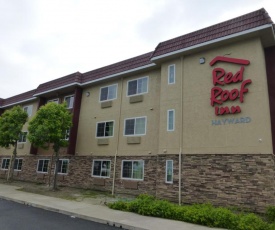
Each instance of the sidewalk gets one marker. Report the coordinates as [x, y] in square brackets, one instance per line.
[97, 213]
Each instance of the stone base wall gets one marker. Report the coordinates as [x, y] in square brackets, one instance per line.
[245, 181]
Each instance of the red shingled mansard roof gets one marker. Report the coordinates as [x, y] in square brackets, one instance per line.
[233, 26]
[18, 98]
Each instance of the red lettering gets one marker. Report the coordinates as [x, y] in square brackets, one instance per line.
[238, 77]
[215, 92]
[236, 109]
[234, 94]
[217, 74]
[243, 89]
[228, 78]
[225, 95]
[224, 110]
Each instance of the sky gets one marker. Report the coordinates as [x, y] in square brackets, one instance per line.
[42, 40]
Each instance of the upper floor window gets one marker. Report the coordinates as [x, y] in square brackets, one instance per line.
[63, 166]
[135, 126]
[170, 120]
[53, 100]
[171, 74]
[23, 137]
[5, 163]
[108, 92]
[137, 86]
[28, 110]
[101, 168]
[105, 129]
[69, 101]
[67, 135]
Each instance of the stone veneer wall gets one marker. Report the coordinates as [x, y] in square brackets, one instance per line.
[243, 180]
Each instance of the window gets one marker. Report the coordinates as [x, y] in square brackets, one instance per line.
[42, 166]
[170, 120]
[69, 101]
[63, 165]
[135, 126]
[137, 86]
[169, 171]
[105, 129]
[132, 170]
[101, 168]
[28, 110]
[67, 135]
[108, 93]
[53, 100]
[18, 164]
[22, 137]
[171, 74]
[5, 163]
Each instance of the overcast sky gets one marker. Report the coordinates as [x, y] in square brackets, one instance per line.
[42, 40]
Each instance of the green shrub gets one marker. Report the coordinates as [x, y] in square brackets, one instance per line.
[252, 222]
[270, 213]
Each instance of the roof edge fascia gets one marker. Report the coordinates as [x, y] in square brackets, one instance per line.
[19, 102]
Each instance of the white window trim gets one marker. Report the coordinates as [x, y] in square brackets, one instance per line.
[38, 165]
[123, 178]
[65, 100]
[108, 92]
[29, 108]
[171, 83]
[63, 159]
[67, 133]
[105, 122]
[137, 93]
[169, 182]
[19, 142]
[18, 170]
[6, 158]
[54, 100]
[134, 135]
[101, 161]
[170, 130]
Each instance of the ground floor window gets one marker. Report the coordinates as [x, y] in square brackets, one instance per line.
[63, 165]
[133, 169]
[169, 171]
[18, 164]
[42, 166]
[101, 168]
[5, 163]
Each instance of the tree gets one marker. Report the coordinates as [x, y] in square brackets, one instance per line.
[48, 128]
[11, 124]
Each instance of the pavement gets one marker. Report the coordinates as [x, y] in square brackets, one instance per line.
[98, 213]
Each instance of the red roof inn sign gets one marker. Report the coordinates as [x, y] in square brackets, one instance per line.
[222, 78]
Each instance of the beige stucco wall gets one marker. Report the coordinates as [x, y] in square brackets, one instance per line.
[91, 113]
[23, 148]
[199, 135]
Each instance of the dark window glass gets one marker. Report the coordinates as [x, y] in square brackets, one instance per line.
[132, 87]
[127, 169]
[130, 127]
[104, 94]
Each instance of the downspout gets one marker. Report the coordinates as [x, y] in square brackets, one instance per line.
[181, 129]
[117, 141]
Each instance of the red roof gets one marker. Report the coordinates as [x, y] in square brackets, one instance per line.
[235, 25]
[18, 98]
[118, 67]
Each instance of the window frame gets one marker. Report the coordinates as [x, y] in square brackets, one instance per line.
[43, 165]
[5, 159]
[67, 170]
[18, 159]
[145, 128]
[166, 172]
[108, 93]
[70, 96]
[127, 178]
[104, 128]
[55, 100]
[174, 77]
[92, 174]
[20, 137]
[136, 79]
[67, 135]
[168, 116]
[29, 109]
